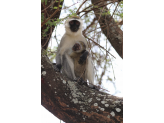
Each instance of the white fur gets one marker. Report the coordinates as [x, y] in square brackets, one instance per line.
[90, 71]
[70, 61]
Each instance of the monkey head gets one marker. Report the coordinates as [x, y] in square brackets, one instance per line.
[74, 25]
[79, 46]
[76, 47]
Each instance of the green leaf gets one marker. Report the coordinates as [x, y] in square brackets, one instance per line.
[45, 2]
[110, 79]
[42, 1]
[55, 7]
[95, 6]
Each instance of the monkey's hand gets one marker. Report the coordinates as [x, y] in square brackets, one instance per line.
[83, 57]
[57, 67]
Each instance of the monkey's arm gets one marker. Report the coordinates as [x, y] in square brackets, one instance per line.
[59, 54]
[83, 57]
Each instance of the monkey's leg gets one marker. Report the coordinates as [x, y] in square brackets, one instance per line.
[94, 87]
[81, 81]
[58, 64]
[68, 67]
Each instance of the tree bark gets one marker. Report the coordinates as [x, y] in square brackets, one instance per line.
[109, 28]
[74, 103]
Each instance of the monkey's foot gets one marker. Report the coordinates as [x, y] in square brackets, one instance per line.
[57, 67]
[94, 87]
[81, 81]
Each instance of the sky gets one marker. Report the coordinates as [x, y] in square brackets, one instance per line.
[117, 65]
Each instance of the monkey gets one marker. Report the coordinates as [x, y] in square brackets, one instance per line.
[73, 40]
[79, 55]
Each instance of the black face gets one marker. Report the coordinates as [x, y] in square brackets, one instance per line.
[74, 25]
[76, 47]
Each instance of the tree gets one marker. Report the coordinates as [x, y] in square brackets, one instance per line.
[68, 100]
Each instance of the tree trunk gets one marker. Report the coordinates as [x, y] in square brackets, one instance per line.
[109, 27]
[74, 103]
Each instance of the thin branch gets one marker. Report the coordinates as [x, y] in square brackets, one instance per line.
[56, 12]
[51, 15]
[115, 9]
[48, 38]
[93, 21]
[99, 45]
[69, 6]
[48, 6]
[80, 6]
[84, 10]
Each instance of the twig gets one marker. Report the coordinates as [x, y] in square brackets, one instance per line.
[100, 46]
[93, 21]
[86, 11]
[115, 9]
[80, 6]
[51, 15]
[69, 6]
[94, 4]
[48, 38]
[48, 6]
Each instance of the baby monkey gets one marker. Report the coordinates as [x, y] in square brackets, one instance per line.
[79, 56]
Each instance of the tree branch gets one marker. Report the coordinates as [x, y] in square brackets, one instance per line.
[74, 103]
[51, 15]
[112, 32]
[49, 11]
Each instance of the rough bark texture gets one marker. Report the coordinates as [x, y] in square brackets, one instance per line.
[74, 103]
[109, 28]
[48, 11]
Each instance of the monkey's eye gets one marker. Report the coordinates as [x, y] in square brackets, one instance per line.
[77, 23]
[71, 22]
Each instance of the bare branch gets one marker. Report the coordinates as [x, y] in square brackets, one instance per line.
[51, 15]
[99, 46]
[92, 23]
[80, 6]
